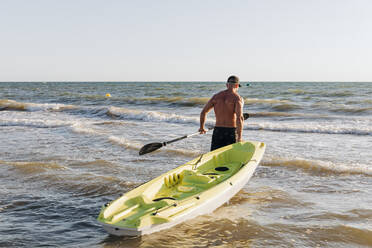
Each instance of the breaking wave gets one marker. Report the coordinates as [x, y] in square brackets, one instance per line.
[328, 128]
[286, 107]
[152, 116]
[251, 101]
[351, 107]
[96, 111]
[358, 126]
[178, 100]
[125, 143]
[11, 105]
[34, 123]
[355, 110]
[320, 166]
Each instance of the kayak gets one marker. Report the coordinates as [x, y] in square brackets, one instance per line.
[195, 188]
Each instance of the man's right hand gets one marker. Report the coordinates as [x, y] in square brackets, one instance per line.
[202, 130]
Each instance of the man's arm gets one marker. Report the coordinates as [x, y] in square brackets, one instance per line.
[204, 113]
[239, 119]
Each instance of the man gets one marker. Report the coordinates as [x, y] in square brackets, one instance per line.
[228, 109]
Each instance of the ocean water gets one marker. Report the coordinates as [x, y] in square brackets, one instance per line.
[66, 149]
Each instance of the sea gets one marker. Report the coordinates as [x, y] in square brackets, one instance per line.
[67, 148]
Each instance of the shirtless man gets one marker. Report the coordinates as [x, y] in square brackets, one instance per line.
[228, 109]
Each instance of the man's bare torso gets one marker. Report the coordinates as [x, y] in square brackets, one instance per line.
[224, 108]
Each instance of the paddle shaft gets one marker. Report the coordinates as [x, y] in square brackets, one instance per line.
[155, 146]
[184, 137]
[245, 116]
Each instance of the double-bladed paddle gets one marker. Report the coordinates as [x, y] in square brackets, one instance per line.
[155, 146]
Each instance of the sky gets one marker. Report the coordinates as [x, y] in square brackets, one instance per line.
[189, 40]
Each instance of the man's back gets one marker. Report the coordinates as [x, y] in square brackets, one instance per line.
[224, 104]
[228, 109]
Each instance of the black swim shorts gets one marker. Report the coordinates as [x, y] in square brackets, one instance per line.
[223, 136]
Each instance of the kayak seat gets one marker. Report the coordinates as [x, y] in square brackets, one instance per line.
[195, 178]
[186, 183]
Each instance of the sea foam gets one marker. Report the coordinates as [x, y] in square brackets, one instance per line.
[319, 166]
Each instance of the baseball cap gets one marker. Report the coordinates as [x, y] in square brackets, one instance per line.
[233, 80]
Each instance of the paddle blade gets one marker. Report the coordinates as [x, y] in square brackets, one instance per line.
[150, 148]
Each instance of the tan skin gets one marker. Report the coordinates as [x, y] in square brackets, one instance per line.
[228, 109]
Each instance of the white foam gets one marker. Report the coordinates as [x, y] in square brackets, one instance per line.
[83, 128]
[34, 106]
[48, 106]
[34, 123]
[342, 125]
[353, 127]
[126, 143]
[318, 165]
[153, 116]
[266, 101]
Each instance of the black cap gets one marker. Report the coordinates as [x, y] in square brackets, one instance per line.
[233, 80]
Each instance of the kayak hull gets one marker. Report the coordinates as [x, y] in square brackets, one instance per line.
[196, 188]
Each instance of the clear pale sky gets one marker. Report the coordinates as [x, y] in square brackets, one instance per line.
[190, 40]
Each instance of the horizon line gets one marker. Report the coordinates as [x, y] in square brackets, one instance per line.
[180, 81]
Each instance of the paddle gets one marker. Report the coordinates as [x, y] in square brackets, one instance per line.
[157, 145]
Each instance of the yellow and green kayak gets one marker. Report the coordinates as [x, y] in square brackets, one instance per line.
[195, 188]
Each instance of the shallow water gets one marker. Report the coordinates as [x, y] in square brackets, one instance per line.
[66, 149]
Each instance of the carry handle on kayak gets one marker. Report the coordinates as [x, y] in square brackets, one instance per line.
[157, 145]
